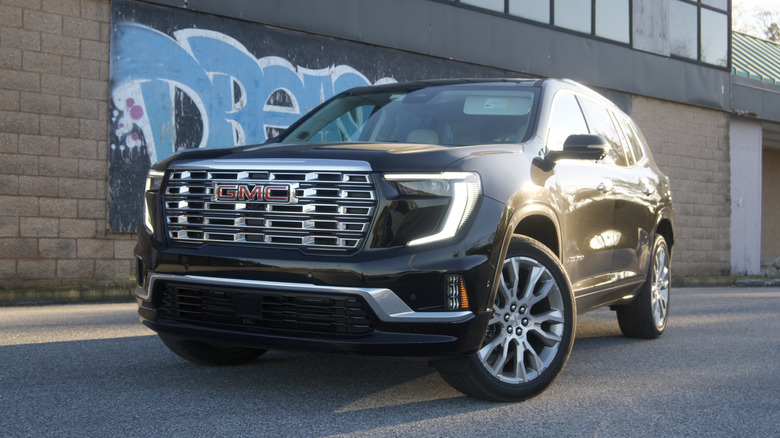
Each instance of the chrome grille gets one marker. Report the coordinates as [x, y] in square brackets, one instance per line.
[325, 210]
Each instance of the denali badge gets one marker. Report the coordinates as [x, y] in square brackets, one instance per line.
[282, 193]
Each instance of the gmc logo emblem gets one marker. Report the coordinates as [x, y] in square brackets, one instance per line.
[282, 193]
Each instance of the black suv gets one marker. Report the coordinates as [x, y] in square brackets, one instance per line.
[465, 222]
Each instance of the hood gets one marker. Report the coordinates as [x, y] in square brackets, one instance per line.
[381, 156]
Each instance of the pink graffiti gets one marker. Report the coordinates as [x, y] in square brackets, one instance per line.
[136, 111]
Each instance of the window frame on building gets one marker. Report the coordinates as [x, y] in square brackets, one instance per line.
[546, 16]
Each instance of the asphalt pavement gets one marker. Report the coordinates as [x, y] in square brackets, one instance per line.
[94, 371]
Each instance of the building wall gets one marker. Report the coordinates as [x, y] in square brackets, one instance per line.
[691, 146]
[54, 127]
[770, 210]
[745, 140]
[53, 130]
[213, 82]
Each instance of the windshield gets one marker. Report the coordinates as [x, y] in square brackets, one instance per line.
[445, 115]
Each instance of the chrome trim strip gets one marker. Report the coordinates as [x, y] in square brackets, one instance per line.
[142, 293]
[384, 302]
[272, 164]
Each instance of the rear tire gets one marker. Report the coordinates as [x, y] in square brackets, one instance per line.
[210, 354]
[529, 337]
[647, 315]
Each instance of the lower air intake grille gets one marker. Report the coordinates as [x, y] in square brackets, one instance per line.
[242, 310]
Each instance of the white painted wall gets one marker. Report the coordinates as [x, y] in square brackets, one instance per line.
[746, 147]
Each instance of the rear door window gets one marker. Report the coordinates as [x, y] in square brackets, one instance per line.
[634, 145]
[600, 123]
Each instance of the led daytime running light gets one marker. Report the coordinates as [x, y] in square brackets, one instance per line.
[153, 182]
[154, 179]
[465, 193]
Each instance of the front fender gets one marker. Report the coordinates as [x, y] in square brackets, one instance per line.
[530, 213]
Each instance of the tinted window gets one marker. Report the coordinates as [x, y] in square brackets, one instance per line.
[601, 124]
[537, 10]
[566, 119]
[346, 127]
[573, 14]
[623, 140]
[641, 137]
[633, 142]
[495, 5]
[445, 115]
[714, 37]
[612, 20]
[682, 29]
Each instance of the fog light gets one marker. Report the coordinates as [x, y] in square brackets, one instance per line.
[457, 298]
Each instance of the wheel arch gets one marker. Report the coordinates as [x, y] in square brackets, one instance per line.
[535, 220]
[540, 228]
[665, 227]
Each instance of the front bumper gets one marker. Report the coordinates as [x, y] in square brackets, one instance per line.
[236, 312]
[384, 303]
[240, 294]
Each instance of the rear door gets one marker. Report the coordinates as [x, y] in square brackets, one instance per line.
[610, 237]
[636, 196]
[584, 202]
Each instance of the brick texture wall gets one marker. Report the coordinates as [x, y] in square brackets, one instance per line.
[691, 146]
[53, 146]
[770, 208]
[53, 132]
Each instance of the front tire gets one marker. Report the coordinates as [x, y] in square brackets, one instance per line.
[530, 335]
[647, 315]
[210, 354]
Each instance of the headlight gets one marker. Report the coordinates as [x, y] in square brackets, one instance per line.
[153, 183]
[154, 180]
[463, 189]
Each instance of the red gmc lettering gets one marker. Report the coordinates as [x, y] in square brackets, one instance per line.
[225, 193]
[276, 198]
[243, 192]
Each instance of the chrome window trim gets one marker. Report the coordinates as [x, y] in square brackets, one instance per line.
[387, 306]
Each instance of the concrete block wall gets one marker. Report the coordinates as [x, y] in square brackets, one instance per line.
[691, 146]
[770, 208]
[53, 152]
[54, 69]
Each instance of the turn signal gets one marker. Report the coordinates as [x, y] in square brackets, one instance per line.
[457, 296]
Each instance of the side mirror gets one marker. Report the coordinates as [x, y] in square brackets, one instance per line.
[581, 147]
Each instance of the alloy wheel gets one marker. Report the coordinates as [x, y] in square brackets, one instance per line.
[660, 287]
[527, 326]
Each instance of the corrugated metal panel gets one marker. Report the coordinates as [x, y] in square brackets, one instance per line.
[755, 58]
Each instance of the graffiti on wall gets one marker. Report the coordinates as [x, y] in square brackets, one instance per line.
[196, 89]
[181, 79]
[202, 88]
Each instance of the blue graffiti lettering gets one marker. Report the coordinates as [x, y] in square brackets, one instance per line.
[205, 89]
